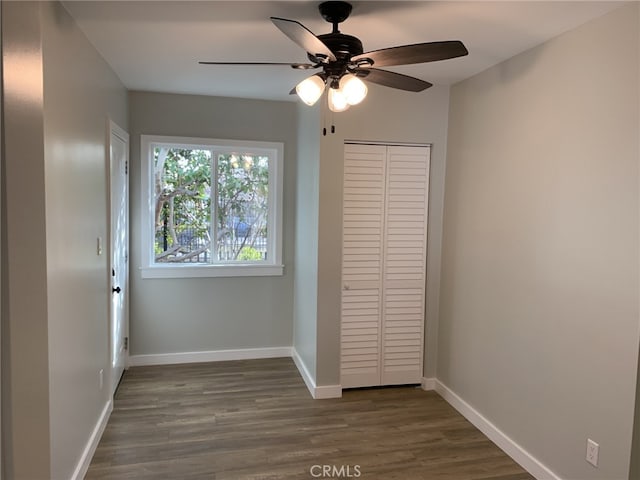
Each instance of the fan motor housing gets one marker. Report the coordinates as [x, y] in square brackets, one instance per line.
[343, 46]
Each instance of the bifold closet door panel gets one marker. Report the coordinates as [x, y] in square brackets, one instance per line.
[384, 240]
[404, 264]
[362, 256]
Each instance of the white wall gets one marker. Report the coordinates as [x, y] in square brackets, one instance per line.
[416, 118]
[539, 312]
[211, 314]
[60, 93]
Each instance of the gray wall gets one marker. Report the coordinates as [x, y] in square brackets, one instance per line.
[305, 288]
[25, 373]
[418, 118]
[634, 472]
[60, 94]
[208, 314]
[539, 308]
[2, 241]
[80, 92]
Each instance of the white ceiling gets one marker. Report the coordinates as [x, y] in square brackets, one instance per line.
[156, 45]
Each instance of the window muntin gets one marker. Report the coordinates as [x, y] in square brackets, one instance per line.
[214, 207]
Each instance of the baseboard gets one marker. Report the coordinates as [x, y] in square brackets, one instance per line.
[318, 393]
[510, 447]
[87, 454]
[428, 383]
[328, 391]
[209, 356]
[304, 373]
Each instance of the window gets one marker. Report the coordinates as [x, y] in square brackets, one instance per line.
[211, 207]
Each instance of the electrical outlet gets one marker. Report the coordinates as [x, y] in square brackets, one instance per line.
[101, 378]
[593, 449]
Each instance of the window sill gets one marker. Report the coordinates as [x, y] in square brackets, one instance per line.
[202, 271]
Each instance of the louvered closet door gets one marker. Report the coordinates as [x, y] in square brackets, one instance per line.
[404, 266]
[383, 264]
[362, 255]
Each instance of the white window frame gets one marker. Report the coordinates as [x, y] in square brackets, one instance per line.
[271, 267]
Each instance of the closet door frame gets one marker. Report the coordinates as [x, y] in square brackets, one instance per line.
[375, 375]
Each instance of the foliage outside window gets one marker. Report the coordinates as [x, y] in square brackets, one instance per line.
[213, 207]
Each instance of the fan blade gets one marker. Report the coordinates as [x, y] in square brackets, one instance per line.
[303, 37]
[297, 66]
[392, 79]
[418, 53]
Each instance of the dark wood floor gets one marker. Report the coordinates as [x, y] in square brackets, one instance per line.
[255, 420]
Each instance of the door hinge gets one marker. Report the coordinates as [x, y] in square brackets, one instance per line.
[126, 167]
[126, 343]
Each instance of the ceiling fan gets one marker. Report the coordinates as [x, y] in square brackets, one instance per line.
[343, 62]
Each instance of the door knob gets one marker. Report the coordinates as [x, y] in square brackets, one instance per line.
[116, 290]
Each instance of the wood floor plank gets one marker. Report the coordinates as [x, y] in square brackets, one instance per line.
[255, 420]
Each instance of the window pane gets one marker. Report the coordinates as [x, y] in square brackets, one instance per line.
[243, 181]
[183, 205]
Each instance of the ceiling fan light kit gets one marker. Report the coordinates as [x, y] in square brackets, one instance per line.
[337, 100]
[344, 64]
[310, 89]
[343, 93]
[354, 89]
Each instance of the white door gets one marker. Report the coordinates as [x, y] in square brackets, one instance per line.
[405, 264]
[119, 250]
[363, 217]
[384, 241]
